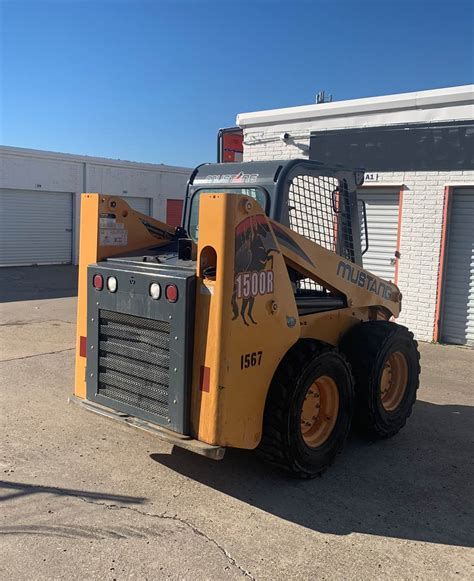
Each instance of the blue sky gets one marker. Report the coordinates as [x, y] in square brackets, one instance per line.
[154, 81]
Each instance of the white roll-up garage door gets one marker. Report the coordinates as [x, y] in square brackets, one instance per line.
[35, 228]
[382, 222]
[458, 297]
[142, 205]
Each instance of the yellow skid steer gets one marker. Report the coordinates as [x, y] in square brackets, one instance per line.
[253, 325]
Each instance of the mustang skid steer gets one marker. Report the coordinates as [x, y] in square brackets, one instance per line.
[254, 325]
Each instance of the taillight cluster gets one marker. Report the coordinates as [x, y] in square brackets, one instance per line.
[154, 290]
[98, 283]
[171, 292]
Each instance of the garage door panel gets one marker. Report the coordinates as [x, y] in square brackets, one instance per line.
[380, 247]
[460, 288]
[140, 204]
[455, 321]
[462, 282]
[382, 223]
[35, 228]
[380, 235]
[174, 211]
[380, 259]
[458, 297]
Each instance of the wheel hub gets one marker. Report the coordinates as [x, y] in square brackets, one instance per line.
[393, 382]
[319, 411]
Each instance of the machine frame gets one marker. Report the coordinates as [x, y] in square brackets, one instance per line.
[233, 340]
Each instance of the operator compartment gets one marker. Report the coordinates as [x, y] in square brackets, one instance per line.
[140, 319]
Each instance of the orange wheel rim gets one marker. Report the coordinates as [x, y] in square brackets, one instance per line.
[319, 411]
[393, 382]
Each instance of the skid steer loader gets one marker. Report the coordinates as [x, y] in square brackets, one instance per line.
[253, 325]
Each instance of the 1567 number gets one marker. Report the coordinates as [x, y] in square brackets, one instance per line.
[250, 359]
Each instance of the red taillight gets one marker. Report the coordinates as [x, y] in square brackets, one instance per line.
[98, 282]
[171, 293]
[83, 346]
[205, 378]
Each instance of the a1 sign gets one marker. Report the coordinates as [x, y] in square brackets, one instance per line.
[371, 177]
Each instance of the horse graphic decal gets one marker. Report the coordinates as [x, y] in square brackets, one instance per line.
[253, 269]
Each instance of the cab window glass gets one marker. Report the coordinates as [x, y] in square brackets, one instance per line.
[255, 193]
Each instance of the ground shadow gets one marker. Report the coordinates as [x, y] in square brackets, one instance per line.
[417, 485]
[12, 490]
[26, 283]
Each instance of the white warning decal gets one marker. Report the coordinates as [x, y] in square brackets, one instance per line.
[113, 236]
[107, 222]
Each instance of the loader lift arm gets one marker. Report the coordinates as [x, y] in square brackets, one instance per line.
[360, 287]
[109, 227]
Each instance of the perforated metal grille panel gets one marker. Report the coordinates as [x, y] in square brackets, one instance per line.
[134, 361]
[319, 210]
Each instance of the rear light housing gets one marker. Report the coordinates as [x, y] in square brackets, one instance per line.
[171, 293]
[112, 284]
[98, 282]
[155, 290]
[83, 346]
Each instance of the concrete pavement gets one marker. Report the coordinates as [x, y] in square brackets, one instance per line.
[83, 497]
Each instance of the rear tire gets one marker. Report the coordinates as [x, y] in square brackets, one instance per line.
[386, 364]
[308, 411]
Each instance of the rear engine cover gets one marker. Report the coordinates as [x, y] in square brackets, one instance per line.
[139, 349]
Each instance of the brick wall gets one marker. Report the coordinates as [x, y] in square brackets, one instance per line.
[421, 226]
[420, 243]
[261, 145]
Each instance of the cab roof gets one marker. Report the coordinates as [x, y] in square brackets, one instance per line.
[263, 173]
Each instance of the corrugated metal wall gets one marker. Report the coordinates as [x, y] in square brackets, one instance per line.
[42, 173]
[382, 222]
[35, 228]
[458, 297]
[142, 205]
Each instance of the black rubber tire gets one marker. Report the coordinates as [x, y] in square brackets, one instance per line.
[282, 443]
[367, 347]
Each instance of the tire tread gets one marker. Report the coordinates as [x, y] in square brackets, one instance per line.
[362, 347]
[272, 446]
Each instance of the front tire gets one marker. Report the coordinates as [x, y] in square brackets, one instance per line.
[386, 364]
[308, 411]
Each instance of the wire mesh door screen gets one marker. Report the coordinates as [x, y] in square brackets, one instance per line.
[319, 210]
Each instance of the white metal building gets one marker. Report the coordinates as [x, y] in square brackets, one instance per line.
[40, 199]
[418, 152]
